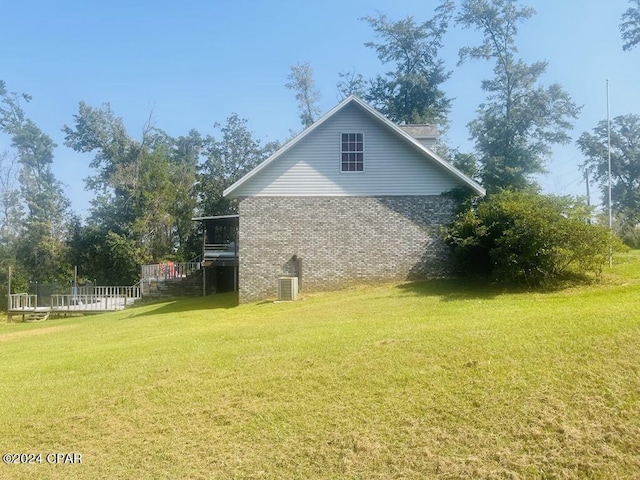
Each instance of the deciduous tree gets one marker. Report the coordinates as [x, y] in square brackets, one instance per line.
[226, 161]
[11, 210]
[351, 83]
[521, 119]
[630, 26]
[41, 251]
[302, 83]
[144, 189]
[11, 217]
[625, 166]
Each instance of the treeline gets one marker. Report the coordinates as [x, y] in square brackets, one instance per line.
[147, 190]
[145, 194]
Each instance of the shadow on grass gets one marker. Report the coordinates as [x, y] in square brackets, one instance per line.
[187, 304]
[452, 289]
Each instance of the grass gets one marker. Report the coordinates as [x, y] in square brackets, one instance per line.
[436, 379]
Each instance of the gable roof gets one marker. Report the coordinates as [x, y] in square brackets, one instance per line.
[377, 116]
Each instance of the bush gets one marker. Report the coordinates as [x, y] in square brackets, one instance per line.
[527, 238]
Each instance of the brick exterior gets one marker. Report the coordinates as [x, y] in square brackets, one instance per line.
[340, 240]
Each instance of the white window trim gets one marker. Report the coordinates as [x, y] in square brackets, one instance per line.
[340, 152]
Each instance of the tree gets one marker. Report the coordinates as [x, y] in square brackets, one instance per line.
[351, 83]
[167, 199]
[520, 120]
[226, 161]
[630, 26]
[116, 160]
[467, 163]
[103, 255]
[411, 92]
[11, 210]
[625, 165]
[527, 238]
[41, 250]
[301, 81]
[11, 216]
[185, 153]
[144, 189]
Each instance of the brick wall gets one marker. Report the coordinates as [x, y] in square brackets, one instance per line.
[340, 240]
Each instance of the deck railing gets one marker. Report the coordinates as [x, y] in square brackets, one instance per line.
[165, 271]
[83, 299]
[22, 301]
[111, 291]
[90, 302]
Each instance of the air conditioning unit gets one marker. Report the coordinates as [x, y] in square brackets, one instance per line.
[287, 288]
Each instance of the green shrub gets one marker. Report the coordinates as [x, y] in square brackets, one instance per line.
[527, 238]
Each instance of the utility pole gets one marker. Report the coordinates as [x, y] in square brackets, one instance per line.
[586, 180]
[609, 160]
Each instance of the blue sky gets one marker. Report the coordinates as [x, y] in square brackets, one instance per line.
[193, 63]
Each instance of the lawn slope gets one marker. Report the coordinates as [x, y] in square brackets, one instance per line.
[434, 379]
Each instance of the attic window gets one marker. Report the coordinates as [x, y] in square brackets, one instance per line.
[352, 152]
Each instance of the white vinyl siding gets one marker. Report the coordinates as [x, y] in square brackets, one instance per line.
[393, 165]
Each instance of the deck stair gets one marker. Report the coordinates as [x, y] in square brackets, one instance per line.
[174, 280]
[187, 285]
[37, 316]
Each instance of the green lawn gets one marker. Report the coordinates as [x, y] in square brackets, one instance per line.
[434, 379]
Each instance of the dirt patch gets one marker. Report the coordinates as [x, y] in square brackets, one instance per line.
[5, 337]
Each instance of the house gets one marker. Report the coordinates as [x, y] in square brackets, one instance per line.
[353, 198]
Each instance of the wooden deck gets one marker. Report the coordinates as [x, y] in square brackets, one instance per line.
[102, 299]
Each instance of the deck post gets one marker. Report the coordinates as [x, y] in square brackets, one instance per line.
[9, 317]
[204, 249]
[235, 278]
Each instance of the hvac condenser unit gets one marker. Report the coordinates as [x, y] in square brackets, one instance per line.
[287, 288]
